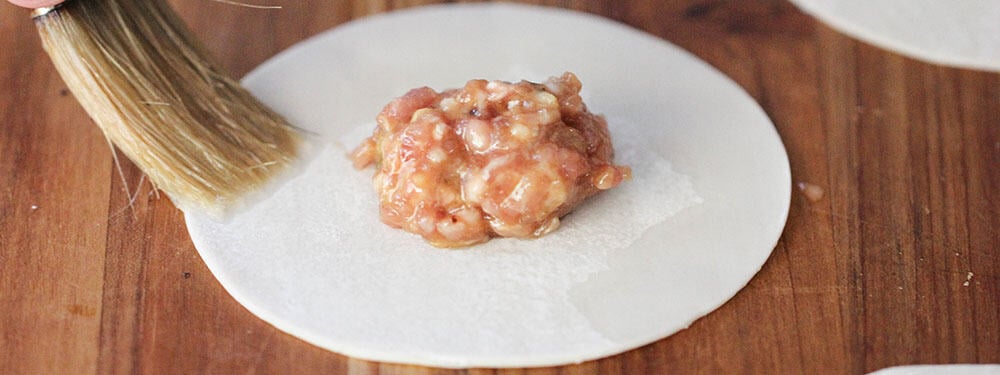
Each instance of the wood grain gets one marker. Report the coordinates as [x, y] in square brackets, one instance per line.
[897, 263]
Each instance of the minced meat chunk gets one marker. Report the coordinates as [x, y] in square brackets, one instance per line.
[490, 159]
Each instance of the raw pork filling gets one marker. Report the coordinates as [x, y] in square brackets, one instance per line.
[490, 159]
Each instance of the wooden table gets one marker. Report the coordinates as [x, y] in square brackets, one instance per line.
[897, 263]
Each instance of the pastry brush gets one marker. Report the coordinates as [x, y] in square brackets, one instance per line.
[151, 88]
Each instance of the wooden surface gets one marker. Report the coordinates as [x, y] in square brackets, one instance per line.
[897, 263]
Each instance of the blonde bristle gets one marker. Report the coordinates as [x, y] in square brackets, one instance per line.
[197, 134]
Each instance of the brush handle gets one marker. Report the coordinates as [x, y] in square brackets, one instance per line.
[35, 3]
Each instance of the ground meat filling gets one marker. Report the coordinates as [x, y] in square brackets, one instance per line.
[490, 159]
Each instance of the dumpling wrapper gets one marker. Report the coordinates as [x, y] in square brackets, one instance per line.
[962, 33]
[708, 200]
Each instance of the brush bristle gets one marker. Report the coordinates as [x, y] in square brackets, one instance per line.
[148, 85]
